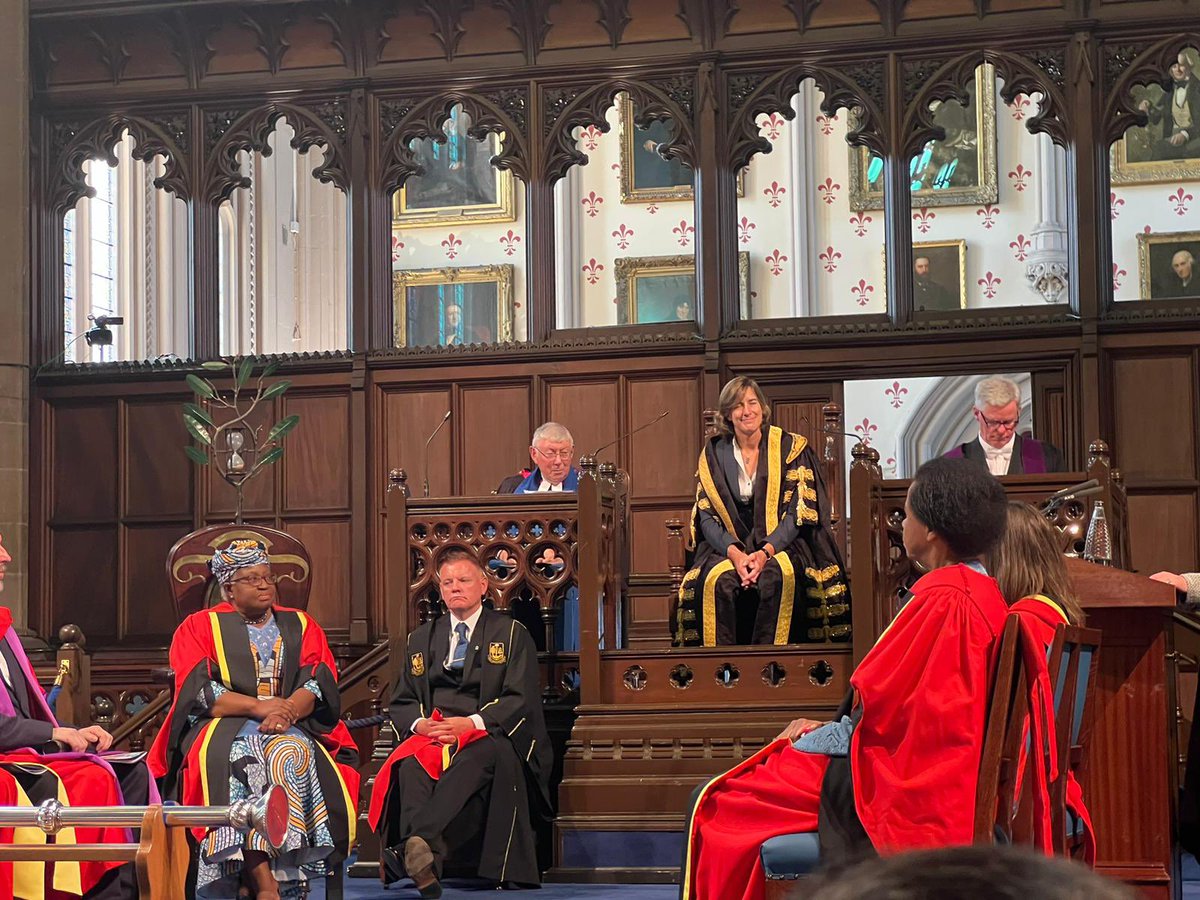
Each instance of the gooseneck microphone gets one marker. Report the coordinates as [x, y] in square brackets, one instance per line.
[1075, 492]
[425, 480]
[662, 415]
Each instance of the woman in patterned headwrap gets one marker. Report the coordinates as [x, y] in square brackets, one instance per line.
[256, 704]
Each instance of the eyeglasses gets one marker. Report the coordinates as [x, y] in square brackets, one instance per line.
[998, 423]
[256, 580]
[564, 455]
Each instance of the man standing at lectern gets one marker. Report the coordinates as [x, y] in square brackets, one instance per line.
[999, 447]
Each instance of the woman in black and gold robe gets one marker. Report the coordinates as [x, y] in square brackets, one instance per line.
[766, 569]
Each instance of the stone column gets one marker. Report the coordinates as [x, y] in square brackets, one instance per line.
[15, 303]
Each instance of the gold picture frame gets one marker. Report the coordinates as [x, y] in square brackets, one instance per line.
[1157, 279]
[945, 267]
[672, 186]
[460, 185]
[983, 189]
[1143, 157]
[475, 323]
[635, 306]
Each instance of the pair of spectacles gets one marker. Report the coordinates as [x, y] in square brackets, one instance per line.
[256, 580]
[998, 423]
[555, 454]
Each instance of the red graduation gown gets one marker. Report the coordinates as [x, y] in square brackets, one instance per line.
[914, 756]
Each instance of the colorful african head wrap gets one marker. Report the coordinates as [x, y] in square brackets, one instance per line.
[238, 555]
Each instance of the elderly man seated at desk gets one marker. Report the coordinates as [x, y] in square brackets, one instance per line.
[1000, 448]
[42, 760]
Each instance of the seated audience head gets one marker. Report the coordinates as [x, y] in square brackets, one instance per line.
[1028, 560]
[743, 407]
[462, 582]
[997, 410]
[5, 559]
[552, 450]
[954, 512]
[966, 873]
[243, 570]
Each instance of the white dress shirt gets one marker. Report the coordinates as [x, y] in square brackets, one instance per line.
[998, 457]
[745, 479]
[471, 620]
[545, 487]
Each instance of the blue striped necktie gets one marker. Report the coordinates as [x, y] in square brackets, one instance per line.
[460, 649]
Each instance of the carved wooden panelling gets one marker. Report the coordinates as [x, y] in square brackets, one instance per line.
[590, 410]
[1154, 411]
[158, 482]
[84, 483]
[766, 16]
[662, 457]
[409, 417]
[328, 544]
[149, 615]
[316, 459]
[844, 12]
[492, 435]
[410, 36]
[587, 23]
[653, 20]
[488, 30]
[83, 581]
[648, 550]
[1163, 532]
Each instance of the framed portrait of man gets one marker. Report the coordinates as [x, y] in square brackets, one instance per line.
[1169, 265]
[1167, 147]
[959, 170]
[451, 307]
[459, 185]
[645, 174]
[663, 288]
[939, 276]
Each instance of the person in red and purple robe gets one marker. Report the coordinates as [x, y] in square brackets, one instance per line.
[256, 704]
[999, 447]
[899, 770]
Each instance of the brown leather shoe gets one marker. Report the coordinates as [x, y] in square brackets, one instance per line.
[418, 862]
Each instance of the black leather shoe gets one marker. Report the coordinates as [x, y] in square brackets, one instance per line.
[418, 862]
[391, 868]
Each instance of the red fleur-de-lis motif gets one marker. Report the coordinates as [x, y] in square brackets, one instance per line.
[684, 232]
[862, 292]
[510, 241]
[776, 260]
[397, 246]
[990, 284]
[774, 194]
[890, 465]
[592, 270]
[452, 245]
[829, 190]
[924, 219]
[623, 234]
[895, 394]
[745, 226]
[1020, 247]
[772, 125]
[860, 221]
[1020, 177]
[591, 204]
[1114, 204]
[826, 123]
[989, 214]
[1181, 201]
[866, 430]
[652, 208]
[829, 258]
[1019, 106]
[590, 137]
[1118, 274]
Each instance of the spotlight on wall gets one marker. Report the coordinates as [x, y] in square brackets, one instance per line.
[100, 335]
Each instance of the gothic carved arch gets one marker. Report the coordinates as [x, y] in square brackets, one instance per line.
[1040, 72]
[568, 107]
[72, 144]
[503, 111]
[228, 132]
[1126, 68]
[773, 93]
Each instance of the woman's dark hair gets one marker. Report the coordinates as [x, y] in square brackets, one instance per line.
[960, 501]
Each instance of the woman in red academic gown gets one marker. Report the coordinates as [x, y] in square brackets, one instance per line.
[256, 704]
[1032, 573]
[900, 770]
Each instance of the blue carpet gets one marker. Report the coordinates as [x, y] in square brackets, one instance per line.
[367, 889]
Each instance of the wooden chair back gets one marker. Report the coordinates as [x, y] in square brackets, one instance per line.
[193, 587]
[996, 792]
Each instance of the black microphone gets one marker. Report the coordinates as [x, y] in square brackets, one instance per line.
[660, 416]
[425, 480]
[1085, 489]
